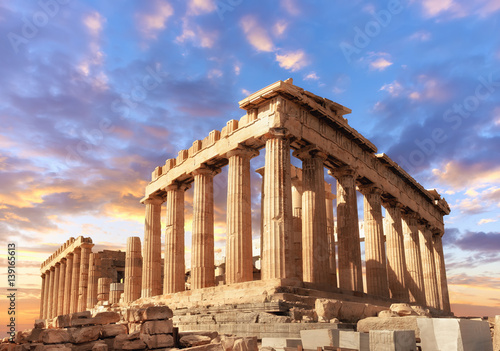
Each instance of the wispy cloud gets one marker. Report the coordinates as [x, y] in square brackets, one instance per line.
[256, 35]
[154, 20]
[291, 6]
[292, 60]
[311, 76]
[198, 7]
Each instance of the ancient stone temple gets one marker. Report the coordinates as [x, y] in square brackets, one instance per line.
[403, 251]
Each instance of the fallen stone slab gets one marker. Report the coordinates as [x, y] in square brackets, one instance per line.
[100, 346]
[279, 344]
[314, 338]
[395, 323]
[34, 336]
[85, 334]
[208, 347]
[269, 318]
[158, 340]
[55, 336]
[40, 323]
[191, 340]
[211, 334]
[354, 340]
[63, 321]
[392, 340]
[106, 317]
[137, 344]
[157, 327]
[111, 330]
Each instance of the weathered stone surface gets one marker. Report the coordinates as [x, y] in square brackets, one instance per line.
[34, 336]
[235, 317]
[55, 336]
[399, 323]
[327, 309]
[106, 317]
[22, 336]
[392, 340]
[40, 323]
[63, 321]
[79, 322]
[80, 315]
[419, 310]
[496, 335]
[387, 314]
[157, 341]
[111, 330]
[194, 340]
[312, 339]
[137, 344]
[208, 347]
[85, 334]
[351, 312]
[211, 334]
[266, 318]
[403, 309]
[133, 327]
[157, 327]
[354, 340]
[239, 345]
[100, 346]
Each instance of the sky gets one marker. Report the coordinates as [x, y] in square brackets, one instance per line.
[94, 95]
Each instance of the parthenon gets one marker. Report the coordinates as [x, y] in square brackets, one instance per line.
[305, 243]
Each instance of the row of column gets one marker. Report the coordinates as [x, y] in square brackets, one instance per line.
[414, 268]
[64, 285]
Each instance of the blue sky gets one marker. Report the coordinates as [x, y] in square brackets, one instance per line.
[94, 95]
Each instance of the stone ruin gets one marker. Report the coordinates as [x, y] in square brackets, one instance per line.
[303, 283]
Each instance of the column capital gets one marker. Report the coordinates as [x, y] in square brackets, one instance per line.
[86, 245]
[152, 200]
[177, 186]
[370, 189]
[276, 133]
[310, 151]
[42, 275]
[204, 169]
[343, 171]
[243, 151]
[393, 203]
[63, 260]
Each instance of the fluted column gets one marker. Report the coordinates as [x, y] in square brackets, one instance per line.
[261, 172]
[202, 265]
[315, 258]
[175, 267]
[239, 263]
[50, 296]
[277, 253]
[55, 296]
[94, 275]
[428, 266]
[103, 286]
[396, 265]
[42, 294]
[441, 273]
[151, 265]
[60, 291]
[297, 225]
[133, 270]
[414, 279]
[67, 284]
[349, 251]
[75, 280]
[376, 271]
[84, 276]
[47, 295]
[330, 229]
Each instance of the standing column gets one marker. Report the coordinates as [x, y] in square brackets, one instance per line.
[175, 267]
[277, 252]
[84, 276]
[67, 284]
[151, 268]
[47, 294]
[297, 226]
[50, 296]
[94, 275]
[133, 270]
[376, 271]
[414, 279]
[42, 294]
[396, 265]
[349, 251]
[60, 291]
[75, 280]
[315, 258]
[203, 266]
[330, 229]
[261, 172]
[428, 266]
[55, 296]
[239, 263]
[103, 287]
[441, 273]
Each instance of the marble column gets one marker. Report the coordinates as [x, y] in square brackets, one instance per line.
[261, 172]
[428, 266]
[42, 294]
[175, 267]
[62, 284]
[396, 264]
[277, 252]
[55, 296]
[414, 279]
[376, 271]
[84, 276]
[47, 295]
[115, 292]
[94, 275]
[75, 280]
[330, 229]
[441, 273]
[202, 258]
[50, 296]
[297, 225]
[67, 284]
[133, 270]
[151, 265]
[103, 286]
[239, 262]
[349, 251]
[315, 257]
